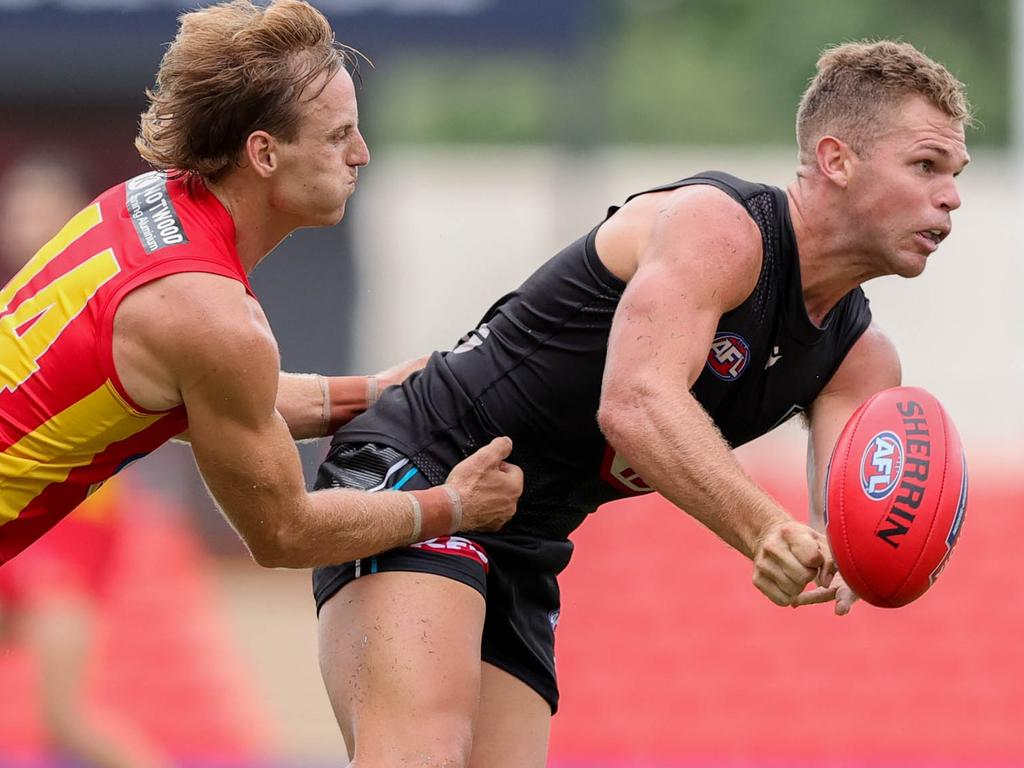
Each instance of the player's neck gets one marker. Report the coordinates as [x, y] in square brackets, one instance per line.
[257, 230]
[831, 261]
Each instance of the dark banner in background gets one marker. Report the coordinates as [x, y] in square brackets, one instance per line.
[111, 48]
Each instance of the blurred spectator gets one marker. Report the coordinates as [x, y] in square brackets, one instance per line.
[50, 596]
[38, 194]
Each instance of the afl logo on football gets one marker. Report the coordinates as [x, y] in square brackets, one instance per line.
[729, 356]
[881, 466]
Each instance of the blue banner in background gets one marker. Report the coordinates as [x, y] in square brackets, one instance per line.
[111, 48]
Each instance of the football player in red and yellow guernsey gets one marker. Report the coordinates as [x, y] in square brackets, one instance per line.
[136, 322]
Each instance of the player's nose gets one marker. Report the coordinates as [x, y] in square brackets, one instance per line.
[360, 152]
[948, 197]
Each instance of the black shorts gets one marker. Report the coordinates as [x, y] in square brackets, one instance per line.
[515, 573]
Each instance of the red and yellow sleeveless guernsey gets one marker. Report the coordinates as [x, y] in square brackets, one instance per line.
[66, 422]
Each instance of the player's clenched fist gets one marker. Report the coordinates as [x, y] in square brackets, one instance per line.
[488, 486]
[787, 558]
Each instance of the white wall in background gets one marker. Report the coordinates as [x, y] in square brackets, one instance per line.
[442, 233]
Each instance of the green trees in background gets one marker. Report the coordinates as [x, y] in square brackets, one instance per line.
[682, 71]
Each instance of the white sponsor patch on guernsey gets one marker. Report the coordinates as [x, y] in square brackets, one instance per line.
[149, 205]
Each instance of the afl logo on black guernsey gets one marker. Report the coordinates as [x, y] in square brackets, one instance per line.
[729, 356]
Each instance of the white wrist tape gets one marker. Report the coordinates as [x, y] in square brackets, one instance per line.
[325, 415]
[417, 518]
[372, 390]
[456, 500]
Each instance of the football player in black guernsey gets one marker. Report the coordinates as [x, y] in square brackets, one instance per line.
[694, 318]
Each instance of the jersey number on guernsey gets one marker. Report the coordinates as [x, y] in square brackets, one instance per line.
[30, 328]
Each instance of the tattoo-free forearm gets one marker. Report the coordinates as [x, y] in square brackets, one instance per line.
[339, 525]
[672, 443]
[315, 406]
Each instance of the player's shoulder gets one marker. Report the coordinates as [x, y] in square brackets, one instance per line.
[711, 235]
[700, 225]
[208, 294]
[875, 346]
[203, 314]
[871, 364]
[709, 212]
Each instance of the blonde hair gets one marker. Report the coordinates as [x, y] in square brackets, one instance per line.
[857, 86]
[232, 69]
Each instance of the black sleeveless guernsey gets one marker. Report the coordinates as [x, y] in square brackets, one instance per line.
[532, 370]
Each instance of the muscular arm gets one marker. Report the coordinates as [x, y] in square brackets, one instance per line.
[301, 402]
[702, 258]
[316, 406]
[223, 365]
[246, 455]
[871, 365]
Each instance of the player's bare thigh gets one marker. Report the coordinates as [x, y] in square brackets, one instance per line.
[513, 723]
[400, 657]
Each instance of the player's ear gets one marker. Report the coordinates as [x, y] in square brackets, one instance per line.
[260, 153]
[834, 158]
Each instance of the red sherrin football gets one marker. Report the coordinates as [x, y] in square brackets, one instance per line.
[895, 496]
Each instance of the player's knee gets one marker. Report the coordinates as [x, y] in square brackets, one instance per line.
[430, 742]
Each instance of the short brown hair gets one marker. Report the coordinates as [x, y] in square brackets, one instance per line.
[857, 82]
[234, 68]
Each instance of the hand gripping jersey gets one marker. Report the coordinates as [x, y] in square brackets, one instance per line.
[66, 422]
[532, 370]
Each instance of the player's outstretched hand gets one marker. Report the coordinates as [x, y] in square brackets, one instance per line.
[787, 558]
[488, 485]
[837, 590]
